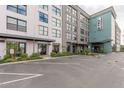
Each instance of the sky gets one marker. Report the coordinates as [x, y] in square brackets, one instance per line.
[119, 9]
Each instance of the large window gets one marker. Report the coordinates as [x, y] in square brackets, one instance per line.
[82, 39]
[56, 48]
[82, 32]
[68, 18]
[74, 29]
[74, 12]
[74, 37]
[19, 47]
[99, 24]
[43, 30]
[43, 17]
[74, 20]
[68, 27]
[44, 7]
[56, 11]
[16, 24]
[21, 9]
[56, 33]
[56, 22]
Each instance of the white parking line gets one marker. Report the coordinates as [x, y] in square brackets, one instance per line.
[22, 79]
[17, 74]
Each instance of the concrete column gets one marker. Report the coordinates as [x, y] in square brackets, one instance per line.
[49, 48]
[2, 49]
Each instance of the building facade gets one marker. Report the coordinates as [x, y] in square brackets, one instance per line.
[74, 28]
[32, 29]
[117, 37]
[46, 28]
[102, 34]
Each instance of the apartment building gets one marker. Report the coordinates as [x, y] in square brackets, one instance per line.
[32, 29]
[117, 37]
[75, 29]
[103, 31]
[46, 28]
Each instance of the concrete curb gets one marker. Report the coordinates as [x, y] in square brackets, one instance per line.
[18, 62]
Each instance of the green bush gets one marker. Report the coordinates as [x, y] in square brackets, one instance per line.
[6, 57]
[85, 52]
[23, 57]
[53, 54]
[35, 56]
[8, 60]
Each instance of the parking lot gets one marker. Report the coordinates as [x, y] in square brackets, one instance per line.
[103, 71]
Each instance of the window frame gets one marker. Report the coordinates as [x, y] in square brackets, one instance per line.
[18, 9]
[56, 11]
[43, 31]
[56, 34]
[17, 24]
[57, 22]
[43, 17]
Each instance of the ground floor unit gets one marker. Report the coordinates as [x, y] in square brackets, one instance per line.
[106, 47]
[28, 46]
[74, 47]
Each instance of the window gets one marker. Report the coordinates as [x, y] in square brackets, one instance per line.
[81, 17]
[22, 25]
[56, 11]
[16, 24]
[56, 33]
[43, 17]
[19, 46]
[56, 22]
[69, 18]
[74, 12]
[74, 29]
[43, 30]
[74, 20]
[82, 32]
[69, 9]
[68, 36]
[44, 7]
[82, 39]
[56, 48]
[21, 9]
[99, 24]
[68, 27]
[74, 37]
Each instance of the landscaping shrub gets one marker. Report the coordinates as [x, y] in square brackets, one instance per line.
[8, 60]
[23, 57]
[59, 54]
[6, 57]
[35, 56]
[53, 54]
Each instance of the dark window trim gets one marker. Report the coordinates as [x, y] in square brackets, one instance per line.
[45, 20]
[16, 23]
[43, 30]
[17, 9]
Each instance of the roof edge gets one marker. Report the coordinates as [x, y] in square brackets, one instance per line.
[111, 9]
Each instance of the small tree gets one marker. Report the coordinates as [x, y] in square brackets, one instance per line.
[12, 45]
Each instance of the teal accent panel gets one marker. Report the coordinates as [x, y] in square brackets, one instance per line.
[105, 34]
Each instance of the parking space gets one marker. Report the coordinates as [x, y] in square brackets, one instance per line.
[76, 71]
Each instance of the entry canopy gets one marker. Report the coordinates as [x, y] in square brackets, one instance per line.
[3, 35]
